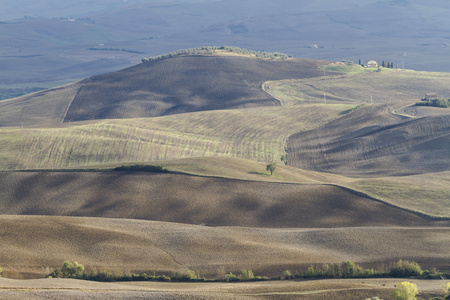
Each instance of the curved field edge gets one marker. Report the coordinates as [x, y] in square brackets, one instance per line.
[329, 289]
[33, 243]
[258, 134]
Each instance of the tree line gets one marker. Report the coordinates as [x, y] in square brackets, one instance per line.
[213, 49]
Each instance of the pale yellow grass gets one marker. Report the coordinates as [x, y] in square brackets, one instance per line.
[258, 134]
[391, 86]
[427, 193]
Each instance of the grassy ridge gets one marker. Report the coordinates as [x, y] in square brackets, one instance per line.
[426, 193]
[257, 134]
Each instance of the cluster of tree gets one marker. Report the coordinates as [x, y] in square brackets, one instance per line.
[77, 271]
[445, 103]
[213, 49]
[386, 64]
[142, 168]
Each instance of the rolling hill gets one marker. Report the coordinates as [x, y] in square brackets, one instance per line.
[209, 121]
[197, 200]
[168, 86]
[374, 142]
[33, 243]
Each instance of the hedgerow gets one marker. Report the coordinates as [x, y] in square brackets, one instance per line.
[348, 269]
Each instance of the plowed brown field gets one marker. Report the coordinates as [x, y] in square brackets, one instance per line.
[33, 243]
[195, 200]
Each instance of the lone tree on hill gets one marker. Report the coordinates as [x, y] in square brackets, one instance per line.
[271, 168]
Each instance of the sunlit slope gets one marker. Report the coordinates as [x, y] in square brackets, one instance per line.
[31, 243]
[42, 108]
[196, 200]
[360, 85]
[428, 193]
[257, 134]
[373, 141]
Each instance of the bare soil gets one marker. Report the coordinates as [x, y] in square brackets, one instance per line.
[37, 244]
[196, 200]
[317, 289]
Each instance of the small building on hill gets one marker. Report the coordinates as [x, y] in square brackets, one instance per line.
[430, 96]
[372, 64]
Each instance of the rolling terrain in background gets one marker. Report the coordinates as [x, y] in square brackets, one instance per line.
[49, 43]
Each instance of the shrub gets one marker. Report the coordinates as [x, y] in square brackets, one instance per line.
[69, 270]
[405, 291]
[446, 290]
[162, 278]
[247, 275]
[311, 273]
[406, 269]
[187, 275]
[231, 277]
[349, 269]
[287, 274]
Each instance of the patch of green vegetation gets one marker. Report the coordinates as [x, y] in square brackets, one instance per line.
[215, 49]
[348, 68]
[443, 103]
[347, 269]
